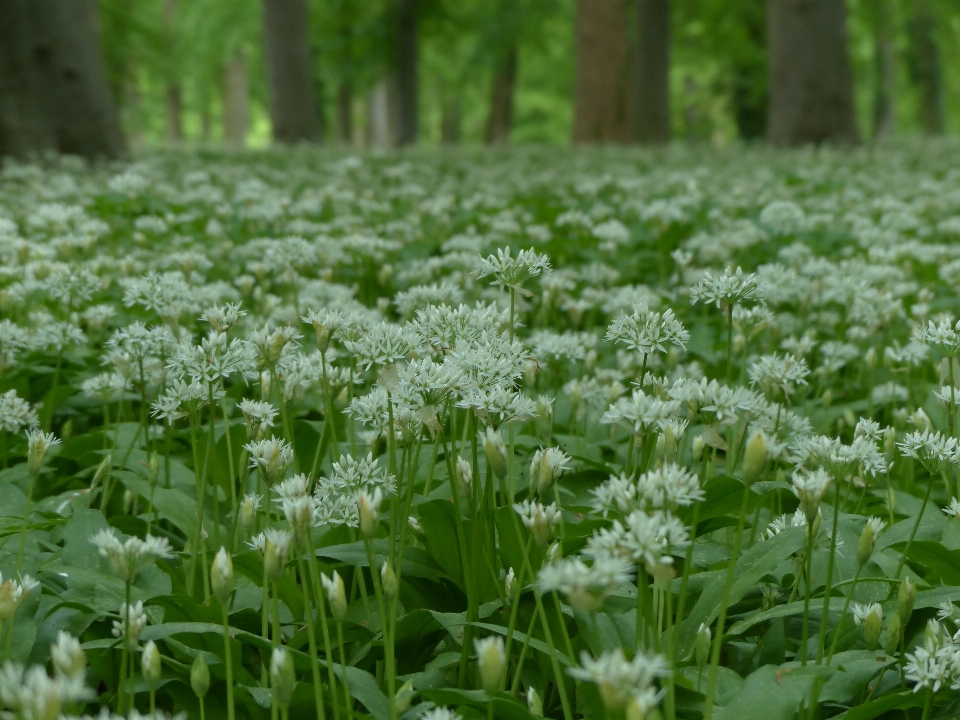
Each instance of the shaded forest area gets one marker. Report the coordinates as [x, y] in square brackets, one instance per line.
[383, 73]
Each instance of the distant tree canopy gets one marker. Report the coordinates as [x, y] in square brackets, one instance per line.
[379, 73]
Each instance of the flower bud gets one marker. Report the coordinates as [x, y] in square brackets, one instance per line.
[906, 597]
[509, 585]
[283, 676]
[416, 528]
[128, 499]
[404, 697]
[554, 552]
[827, 398]
[891, 640]
[153, 467]
[248, 513]
[105, 466]
[544, 419]
[491, 662]
[703, 646]
[221, 576]
[38, 443]
[336, 595]
[697, 449]
[200, 677]
[754, 457]
[890, 444]
[369, 508]
[464, 472]
[272, 563]
[496, 452]
[865, 546]
[68, 657]
[8, 601]
[872, 627]
[534, 702]
[922, 421]
[150, 665]
[870, 358]
[388, 580]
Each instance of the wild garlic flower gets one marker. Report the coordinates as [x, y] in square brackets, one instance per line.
[126, 559]
[440, 713]
[272, 456]
[67, 656]
[861, 457]
[106, 387]
[12, 593]
[282, 540]
[538, 519]
[642, 538]
[269, 344]
[292, 488]
[664, 488]
[326, 323]
[810, 487]
[38, 445]
[618, 679]
[16, 413]
[943, 335]
[382, 343]
[259, 416]
[730, 288]
[31, 694]
[779, 374]
[641, 413]
[647, 331]
[183, 399]
[933, 450]
[132, 621]
[953, 508]
[213, 360]
[547, 466]
[512, 272]
[349, 475]
[585, 586]
[223, 317]
[498, 405]
[300, 512]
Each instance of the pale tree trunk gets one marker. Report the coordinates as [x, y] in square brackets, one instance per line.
[884, 97]
[407, 72]
[811, 81]
[345, 113]
[286, 48]
[653, 72]
[924, 66]
[500, 120]
[599, 114]
[236, 101]
[172, 93]
[54, 93]
[382, 114]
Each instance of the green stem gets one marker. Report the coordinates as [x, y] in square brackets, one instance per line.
[913, 532]
[228, 661]
[312, 640]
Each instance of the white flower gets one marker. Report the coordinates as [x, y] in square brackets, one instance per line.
[646, 331]
[131, 623]
[953, 508]
[617, 678]
[128, 558]
[272, 456]
[933, 450]
[810, 488]
[727, 289]
[510, 272]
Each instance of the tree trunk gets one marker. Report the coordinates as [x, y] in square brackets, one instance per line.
[407, 72]
[599, 114]
[884, 97]
[501, 99]
[345, 113]
[450, 120]
[54, 92]
[382, 113]
[924, 66]
[172, 94]
[236, 101]
[811, 81]
[750, 95]
[653, 72]
[289, 61]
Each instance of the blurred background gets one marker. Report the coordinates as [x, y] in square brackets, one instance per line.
[383, 73]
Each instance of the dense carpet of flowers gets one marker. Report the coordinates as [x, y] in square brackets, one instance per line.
[567, 434]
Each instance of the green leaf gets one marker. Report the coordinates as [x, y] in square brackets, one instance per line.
[945, 564]
[443, 544]
[876, 708]
[416, 562]
[771, 693]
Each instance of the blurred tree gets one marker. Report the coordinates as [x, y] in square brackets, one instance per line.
[885, 83]
[54, 92]
[811, 81]
[648, 91]
[290, 77]
[601, 52]
[173, 93]
[923, 62]
[408, 80]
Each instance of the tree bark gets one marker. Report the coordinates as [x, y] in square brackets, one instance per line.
[925, 69]
[811, 81]
[54, 92]
[236, 101]
[500, 120]
[173, 105]
[450, 120]
[653, 72]
[884, 95]
[293, 100]
[345, 113]
[599, 114]
[750, 94]
[407, 72]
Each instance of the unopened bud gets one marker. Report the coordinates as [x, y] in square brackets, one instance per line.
[496, 452]
[555, 552]
[369, 510]
[128, 498]
[865, 545]
[199, 677]
[336, 595]
[891, 640]
[703, 646]
[38, 443]
[544, 418]
[272, 563]
[283, 676]
[464, 472]
[922, 421]
[890, 444]
[150, 665]
[906, 597]
[534, 702]
[388, 579]
[509, 585]
[697, 449]
[404, 697]
[248, 513]
[872, 627]
[491, 662]
[221, 576]
[754, 457]
[153, 467]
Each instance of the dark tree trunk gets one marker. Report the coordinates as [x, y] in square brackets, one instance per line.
[450, 120]
[345, 112]
[811, 81]
[653, 72]
[884, 94]
[500, 120]
[407, 72]
[750, 91]
[293, 99]
[173, 101]
[236, 101]
[599, 114]
[924, 66]
[54, 92]
[173, 106]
